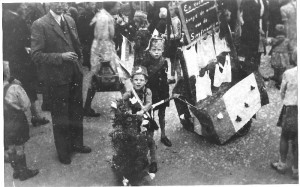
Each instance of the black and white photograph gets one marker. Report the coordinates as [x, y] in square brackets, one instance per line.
[149, 93]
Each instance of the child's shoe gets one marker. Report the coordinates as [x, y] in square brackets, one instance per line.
[279, 166]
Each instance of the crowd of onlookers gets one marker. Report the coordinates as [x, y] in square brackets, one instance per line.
[45, 46]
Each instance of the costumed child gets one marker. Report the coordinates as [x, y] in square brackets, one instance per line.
[131, 135]
[16, 125]
[141, 38]
[157, 68]
[175, 36]
[139, 81]
[288, 120]
[280, 53]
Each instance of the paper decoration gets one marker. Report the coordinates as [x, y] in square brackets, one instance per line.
[155, 33]
[203, 86]
[227, 76]
[218, 77]
[190, 57]
[123, 49]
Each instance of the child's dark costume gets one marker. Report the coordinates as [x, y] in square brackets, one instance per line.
[158, 84]
[158, 79]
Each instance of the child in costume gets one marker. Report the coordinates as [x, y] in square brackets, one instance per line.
[139, 80]
[16, 125]
[157, 68]
[131, 137]
[141, 38]
[288, 121]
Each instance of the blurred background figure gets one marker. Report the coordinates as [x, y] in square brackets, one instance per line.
[289, 18]
[86, 31]
[16, 50]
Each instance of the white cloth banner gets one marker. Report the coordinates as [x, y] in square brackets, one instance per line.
[190, 57]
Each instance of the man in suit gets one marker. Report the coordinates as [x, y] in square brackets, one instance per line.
[57, 52]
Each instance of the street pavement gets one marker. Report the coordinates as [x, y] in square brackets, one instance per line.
[191, 160]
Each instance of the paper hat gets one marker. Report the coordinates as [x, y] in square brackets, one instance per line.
[139, 70]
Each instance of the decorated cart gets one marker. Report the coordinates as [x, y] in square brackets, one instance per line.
[218, 97]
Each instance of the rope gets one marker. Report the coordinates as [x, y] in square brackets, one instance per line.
[187, 103]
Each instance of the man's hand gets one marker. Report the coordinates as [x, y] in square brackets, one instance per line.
[69, 56]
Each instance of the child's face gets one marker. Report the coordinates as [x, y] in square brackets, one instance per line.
[156, 51]
[139, 81]
[172, 11]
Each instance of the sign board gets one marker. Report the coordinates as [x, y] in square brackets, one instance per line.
[198, 17]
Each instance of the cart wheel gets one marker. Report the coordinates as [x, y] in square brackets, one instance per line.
[244, 130]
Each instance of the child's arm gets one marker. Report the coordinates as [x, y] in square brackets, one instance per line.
[283, 86]
[17, 98]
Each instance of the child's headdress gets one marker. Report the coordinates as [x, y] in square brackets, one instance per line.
[155, 40]
[139, 70]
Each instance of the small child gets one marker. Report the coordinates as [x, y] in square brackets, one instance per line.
[288, 120]
[174, 42]
[16, 125]
[141, 38]
[280, 51]
[162, 24]
[157, 68]
[139, 80]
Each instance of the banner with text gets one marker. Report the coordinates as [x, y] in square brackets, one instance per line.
[198, 17]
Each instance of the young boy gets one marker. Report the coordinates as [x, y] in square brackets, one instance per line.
[288, 120]
[16, 126]
[139, 80]
[157, 67]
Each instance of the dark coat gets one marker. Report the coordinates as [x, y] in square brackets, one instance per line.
[85, 30]
[250, 30]
[16, 36]
[48, 42]
[157, 78]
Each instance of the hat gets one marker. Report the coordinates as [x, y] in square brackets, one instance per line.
[139, 70]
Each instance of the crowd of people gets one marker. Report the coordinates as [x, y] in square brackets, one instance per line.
[45, 47]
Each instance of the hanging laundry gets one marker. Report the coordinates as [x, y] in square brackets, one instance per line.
[208, 49]
[190, 57]
[202, 62]
[227, 76]
[203, 86]
[218, 77]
